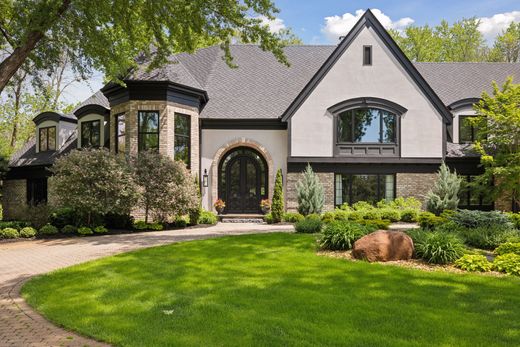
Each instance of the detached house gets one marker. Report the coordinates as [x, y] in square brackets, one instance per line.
[372, 124]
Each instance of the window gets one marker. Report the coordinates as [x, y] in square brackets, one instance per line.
[367, 55]
[148, 129]
[47, 139]
[91, 134]
[471, 198]
[182, 138]
[467, 132]
[366, 125]
[371, 188]
[36, 191]
[120, 133]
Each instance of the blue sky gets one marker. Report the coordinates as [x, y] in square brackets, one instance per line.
[322, 21]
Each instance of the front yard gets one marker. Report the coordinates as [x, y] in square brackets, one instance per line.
[273, 289]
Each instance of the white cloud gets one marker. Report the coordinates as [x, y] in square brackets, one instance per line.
[275, 25]
[337, 26]
[490, 27]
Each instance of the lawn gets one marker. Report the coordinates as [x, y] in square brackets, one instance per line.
[272, 289]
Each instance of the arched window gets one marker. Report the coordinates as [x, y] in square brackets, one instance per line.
[367, 125]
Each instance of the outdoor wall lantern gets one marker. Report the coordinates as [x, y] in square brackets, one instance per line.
[205, 178]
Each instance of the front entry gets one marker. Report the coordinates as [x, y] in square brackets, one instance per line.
[242, 180]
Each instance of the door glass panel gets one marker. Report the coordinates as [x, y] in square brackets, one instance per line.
[233, 176]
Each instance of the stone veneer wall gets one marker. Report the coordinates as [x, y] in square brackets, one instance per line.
[326, 179]
[414, 185]
[13, 198]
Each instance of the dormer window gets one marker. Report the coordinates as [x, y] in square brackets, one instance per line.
[47, 138]
[367, 55]
[467, 131]
[91, 134]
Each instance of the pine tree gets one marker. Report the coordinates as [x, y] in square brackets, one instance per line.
[277, 208]
[310, 193]
[445, 192]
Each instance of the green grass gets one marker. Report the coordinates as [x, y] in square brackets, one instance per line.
[268, 290]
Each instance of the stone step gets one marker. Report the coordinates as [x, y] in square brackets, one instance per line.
[242, 218]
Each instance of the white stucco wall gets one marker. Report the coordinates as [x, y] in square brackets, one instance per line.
[274, 141]
[465, 111]
[312, 126]
[63, 131]
[103, 129]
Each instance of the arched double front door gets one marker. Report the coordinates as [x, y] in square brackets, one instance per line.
[242, 180]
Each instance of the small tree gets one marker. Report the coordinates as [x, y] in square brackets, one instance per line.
[445, 192]
[310, 193]
[277, 207]
[93, 182]
[167, 188]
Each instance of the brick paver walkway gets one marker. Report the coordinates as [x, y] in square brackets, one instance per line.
[21, 326]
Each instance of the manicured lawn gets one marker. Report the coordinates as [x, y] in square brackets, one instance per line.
[272, 290]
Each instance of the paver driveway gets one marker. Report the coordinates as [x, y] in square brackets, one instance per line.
[21, 326]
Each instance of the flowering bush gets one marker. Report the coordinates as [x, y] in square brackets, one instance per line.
[219, 204]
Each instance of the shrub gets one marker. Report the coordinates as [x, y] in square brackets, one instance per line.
[118, 221]
[140, 225]
[508, 263]
[362, 205]
[313, 216]
[357, 215]
[292, 217]
[36, 216]
[64, 216]
[440, 248]
[473, 262]
[268, 218]
[508, 247]
[179, 222]
[372, 214]
[345, 207]
[341, 235]
[13, 224]
[475, 219]
[9, 233]
[308, 225]
[417, 235]
[277, 207]
[391, 214]
[69, 229]
[488, 237]
[100, 230]
[409, 215]
[328, 217]
[310, 193]
[341, 214]
[445, 192]
[158, 226]
[428, 220]
[48, 229]
[85, 231]
[28, 232]
[374, 224]
[406, 203]
[207, 217]
[515, 219]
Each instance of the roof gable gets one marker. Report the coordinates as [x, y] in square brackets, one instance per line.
[368, 20]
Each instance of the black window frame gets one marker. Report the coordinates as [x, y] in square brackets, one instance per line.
[141, 133]
[36, 191]
[352, 113]
[89, 123]
[466, 196]
[380, 188]
[117, 135]
[472, 127]
[367, 55]
[46, 129]
[182, 136]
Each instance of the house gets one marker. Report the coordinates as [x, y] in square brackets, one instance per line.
[372, 124]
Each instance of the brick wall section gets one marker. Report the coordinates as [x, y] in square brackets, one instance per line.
[326, 179]
[414, 185]
[13, 198]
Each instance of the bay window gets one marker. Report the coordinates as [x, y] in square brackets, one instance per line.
[182, 138]
[148, 130]
[120, 133]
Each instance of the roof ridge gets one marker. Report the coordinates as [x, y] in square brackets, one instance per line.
[200, 86]
[212, 68]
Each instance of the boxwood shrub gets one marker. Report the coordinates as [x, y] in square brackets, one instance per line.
[341, 235]
[508, 263]
[409, 215]
[391, 214]
[374, 224]
[100, 229]
[440, 248]
[308, 225]
[28, 232]
[473, 262]
[9, 233]
[85, 231]
[428, 220]
[69, 229]
[292, 217]
[48, 229]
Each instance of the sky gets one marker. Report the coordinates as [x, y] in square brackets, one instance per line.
[323, 21]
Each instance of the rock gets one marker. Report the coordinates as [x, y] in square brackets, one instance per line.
[383, 246]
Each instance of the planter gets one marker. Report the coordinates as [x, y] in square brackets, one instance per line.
[219, 210]
[266, 210]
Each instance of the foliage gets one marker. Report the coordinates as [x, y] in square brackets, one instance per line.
[439, 248]
[308, 225]
[401, 203]
[48, 229]
[327, 217]
[194, 214]
[473, 262]
[362, 206]
[357, 215]
[265, 204]
[100, 230]
[292, 217]
[9, 233]
[207, 217]
[13, 224]
[118, 221]
[417, 235]
[310, 193]
[507, 45]
[277, 209]
[142, 225]
[114, 36]
[372, 214]
[391, 214]
[37, 216]
[487, 237]
[93, 182]
[445, 192]
[498, 141]
[180, 222]
[409, 215]
[85, 231]
[430, 221]
[28, 232]
[508, 263]
[375, 224]
[64, 216]
[341, 235]
[508, 247]
[69, 229]
[475, 218]
[268, 218]
[167, 187]
[219, 204]
[515, 219]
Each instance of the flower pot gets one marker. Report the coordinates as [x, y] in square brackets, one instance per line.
[266, 210]
[219, 209]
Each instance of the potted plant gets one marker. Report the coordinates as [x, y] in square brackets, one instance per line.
[219, 205]
[265, 205]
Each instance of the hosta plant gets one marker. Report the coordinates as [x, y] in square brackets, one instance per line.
[473, 262]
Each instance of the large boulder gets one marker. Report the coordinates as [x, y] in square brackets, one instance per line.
[383, 246]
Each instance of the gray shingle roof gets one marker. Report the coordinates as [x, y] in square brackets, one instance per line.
[95, 99]
[27, 156]
[460, 150]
